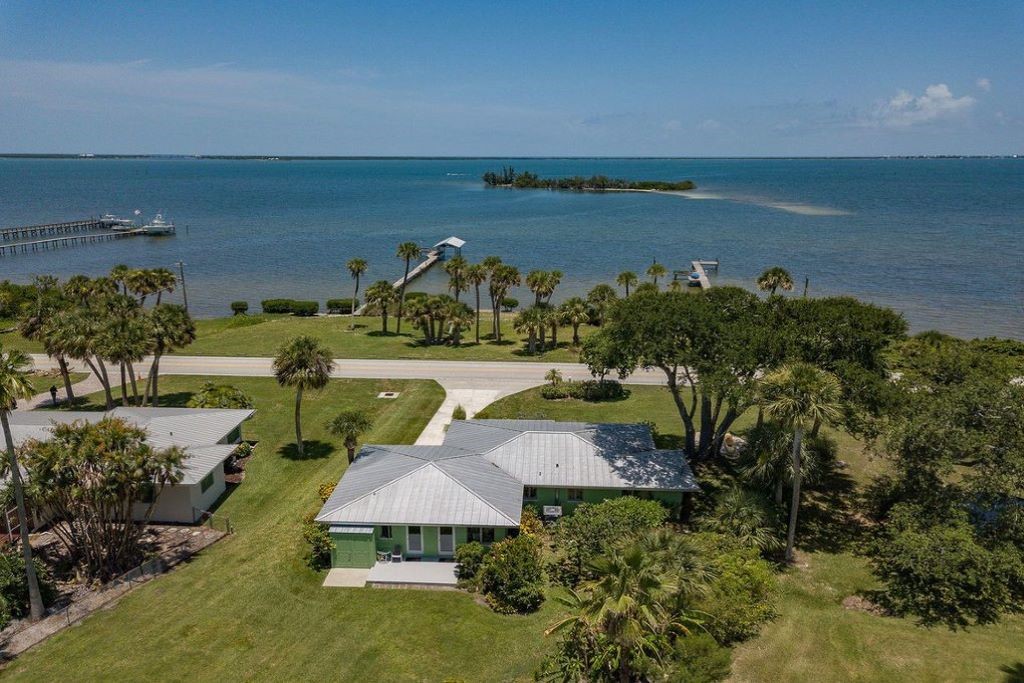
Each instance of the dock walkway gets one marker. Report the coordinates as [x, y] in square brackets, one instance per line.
[66, 241]
[65, 228]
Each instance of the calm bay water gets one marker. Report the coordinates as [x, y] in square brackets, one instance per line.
[941, 240]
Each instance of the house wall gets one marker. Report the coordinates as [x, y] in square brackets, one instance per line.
[353, 550]
[560, 496]
[399, 536]
[175, 503]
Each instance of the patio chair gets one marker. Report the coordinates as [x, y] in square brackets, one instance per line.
[396, 554]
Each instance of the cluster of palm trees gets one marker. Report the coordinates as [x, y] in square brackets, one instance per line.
[104, 323]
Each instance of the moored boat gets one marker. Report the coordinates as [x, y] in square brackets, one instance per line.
[158, 226]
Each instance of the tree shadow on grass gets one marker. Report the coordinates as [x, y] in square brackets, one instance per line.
[828, 519]
[1014, 672]
[178, 399]
[314, 450]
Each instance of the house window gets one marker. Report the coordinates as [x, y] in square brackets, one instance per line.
[479, 534]
[575, 495]
[206, 482]
[385, 532]
[530, 493]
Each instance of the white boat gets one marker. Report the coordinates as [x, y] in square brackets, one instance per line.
[158, 226]
[111, 221]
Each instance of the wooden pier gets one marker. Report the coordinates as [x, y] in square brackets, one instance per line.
[65, 228]
[66, 241]
[700, 267]
[436, 253]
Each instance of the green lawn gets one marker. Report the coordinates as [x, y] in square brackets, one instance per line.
[42, 381]
[249, 607]
[262, 335]
[815, 638]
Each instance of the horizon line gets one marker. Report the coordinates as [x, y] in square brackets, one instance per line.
[431, 157]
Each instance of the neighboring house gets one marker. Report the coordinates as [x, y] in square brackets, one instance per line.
[427, 500]
[208, 437]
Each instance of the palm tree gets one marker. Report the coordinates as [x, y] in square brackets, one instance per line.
[15, 385]
[775, 278]
[119, 276]
[536, 282]
[350, 425]
[797, 396]
[170, 328]
[303, 363]
[124, 339]
[407, 251]
[458, 317]
[626, 278]
[575, 311]
[356, 267]
[600, 299]
[165, 281]
[476, 275]
[553, 375]
[455, 267]
[656, 270]
[58, 342]
[503, 278]
[528, 322]
[381, 295]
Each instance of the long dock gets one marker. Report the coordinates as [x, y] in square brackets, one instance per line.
[436, 253]
[65, 228]
[433, 256]
[66, 241]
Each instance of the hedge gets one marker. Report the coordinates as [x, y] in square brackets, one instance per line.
[342, 306]
[303, 308]
[239, 307]
[509, 304]
[589, 390]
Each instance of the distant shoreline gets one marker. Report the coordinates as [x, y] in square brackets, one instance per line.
[291, 157]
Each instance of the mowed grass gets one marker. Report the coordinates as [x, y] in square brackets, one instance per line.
[250, 608]
[42, 381]
[361, 337]
[815, 638]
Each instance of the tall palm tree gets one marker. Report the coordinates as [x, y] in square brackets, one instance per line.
[15, 385]
[170, 328]
[124, 339]
[458, 318]
[119, 276]
[656, 270]
[775, 278]
[303, 363]
[797, 396]
[381, 295]
[503, 278]
[455, 267]
[536, 282]
[165, 281]
[627, 279]
[350, 425]
[356, 268]
[58, 343]
[407, 251]
[476, 275]
[529, 322]
[576, 312]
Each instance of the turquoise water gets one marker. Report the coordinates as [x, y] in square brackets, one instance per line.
[940, 239]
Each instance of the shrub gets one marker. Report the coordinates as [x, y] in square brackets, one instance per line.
[512, 577]
[592, 528]
[220, 396]
[747, 516]
[305, 308]
[697, 658]
[320, 545]
[325, 490]
[459, 413]
[743, 593]
[277, 305]
[530, 522]
[14, 585]
[509, 304]
[342, 306]
[239, 307]
[470, 557]
[589, 390]
[940, 573]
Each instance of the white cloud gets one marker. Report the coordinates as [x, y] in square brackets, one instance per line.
[984, 84]
[937, 104]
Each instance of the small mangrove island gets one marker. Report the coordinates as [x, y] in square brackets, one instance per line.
[509, 177]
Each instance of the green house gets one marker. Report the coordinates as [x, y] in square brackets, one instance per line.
[422, 502]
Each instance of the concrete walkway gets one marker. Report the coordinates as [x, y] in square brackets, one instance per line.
[472, 400]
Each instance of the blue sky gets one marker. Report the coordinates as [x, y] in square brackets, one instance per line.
[594, 78]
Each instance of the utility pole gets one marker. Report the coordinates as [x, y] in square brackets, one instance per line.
[184, 292]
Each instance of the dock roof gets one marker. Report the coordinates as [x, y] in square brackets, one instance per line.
[452, 241]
